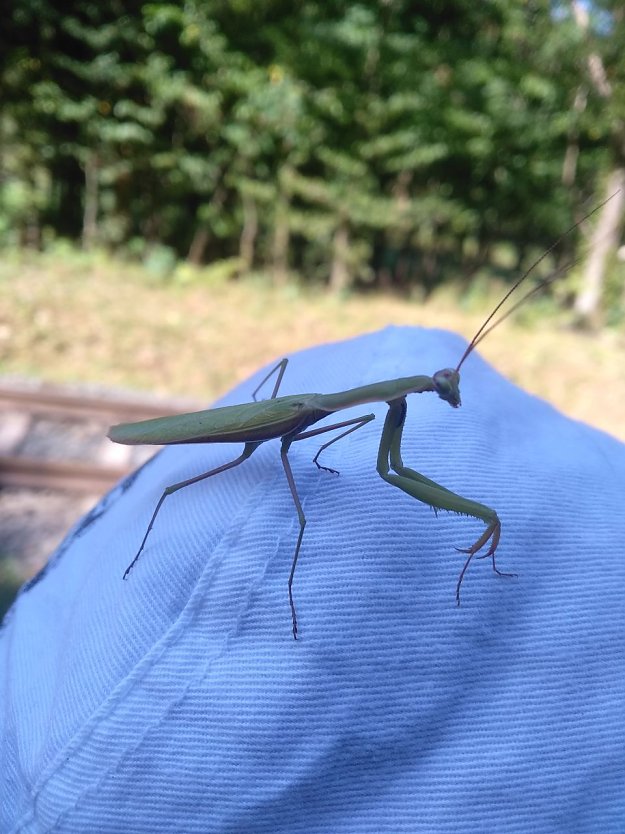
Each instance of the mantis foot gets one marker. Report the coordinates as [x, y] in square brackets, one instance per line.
[327, 468]
[492, 534]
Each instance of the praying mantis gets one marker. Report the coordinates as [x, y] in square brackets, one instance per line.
[289, 419]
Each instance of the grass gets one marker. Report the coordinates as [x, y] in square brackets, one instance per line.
[77, 318]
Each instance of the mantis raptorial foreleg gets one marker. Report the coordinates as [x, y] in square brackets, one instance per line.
[493, 535]
[247, 451]
[428, 491]
[468, 507]
[356, 423]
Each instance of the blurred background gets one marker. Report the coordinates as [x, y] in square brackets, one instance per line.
[188, 191]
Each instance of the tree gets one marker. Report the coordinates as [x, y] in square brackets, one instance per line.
[347, 141]
[609, 109]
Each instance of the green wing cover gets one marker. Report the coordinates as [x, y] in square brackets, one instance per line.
[252, 421]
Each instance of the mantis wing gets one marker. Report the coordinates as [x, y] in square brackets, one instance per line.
[249, 422]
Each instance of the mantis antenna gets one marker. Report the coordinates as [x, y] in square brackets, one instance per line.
[485, 329]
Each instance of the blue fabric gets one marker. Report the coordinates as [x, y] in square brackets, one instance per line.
[178, 701]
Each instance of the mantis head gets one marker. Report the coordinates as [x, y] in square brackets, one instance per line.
[447, 382]
[447, 386]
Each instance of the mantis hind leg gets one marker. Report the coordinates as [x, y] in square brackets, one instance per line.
[247, 451]
[429, 492]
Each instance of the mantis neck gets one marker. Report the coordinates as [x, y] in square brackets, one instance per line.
[392, 389]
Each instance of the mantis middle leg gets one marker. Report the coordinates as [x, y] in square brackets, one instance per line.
[354, 424]
[429, 492]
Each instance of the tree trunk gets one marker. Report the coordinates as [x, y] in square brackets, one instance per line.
[606, 234]
[91, 199]
[198, 246]
[280, 247]
[247, 241]
[202, 234]
[604, 240]
[569, 166]
[340, 277]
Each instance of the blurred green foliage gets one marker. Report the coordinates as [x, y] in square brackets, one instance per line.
[385, 143]
[11, 578]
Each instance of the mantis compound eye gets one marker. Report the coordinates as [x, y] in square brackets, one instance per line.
[447, 385]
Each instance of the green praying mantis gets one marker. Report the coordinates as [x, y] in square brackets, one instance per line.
[289, 418]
